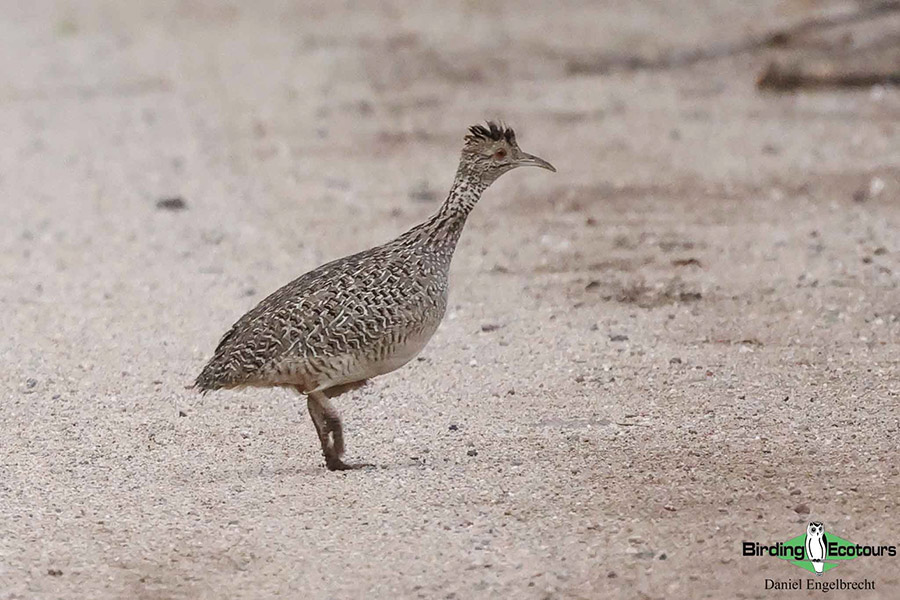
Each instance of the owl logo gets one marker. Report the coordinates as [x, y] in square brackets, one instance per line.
[816, 546]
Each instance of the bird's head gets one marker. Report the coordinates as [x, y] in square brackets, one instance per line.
[491, 150]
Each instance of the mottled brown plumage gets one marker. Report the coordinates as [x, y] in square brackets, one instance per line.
[363, 315]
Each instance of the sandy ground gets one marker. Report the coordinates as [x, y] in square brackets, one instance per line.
[685, 339]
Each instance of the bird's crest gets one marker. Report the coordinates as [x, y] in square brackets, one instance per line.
[491, 131]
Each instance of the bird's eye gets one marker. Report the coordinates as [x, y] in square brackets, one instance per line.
[500, 154]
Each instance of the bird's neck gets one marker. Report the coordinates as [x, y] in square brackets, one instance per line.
[443, 229]
[464, 194]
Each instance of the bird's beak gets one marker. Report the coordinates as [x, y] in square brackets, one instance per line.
[529, 160]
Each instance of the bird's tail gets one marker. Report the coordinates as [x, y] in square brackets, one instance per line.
[218, 374]
[208, 380]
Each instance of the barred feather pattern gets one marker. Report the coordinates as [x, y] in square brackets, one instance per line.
[353, 318]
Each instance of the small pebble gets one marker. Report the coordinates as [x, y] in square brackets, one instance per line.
[174, 203]
[472, 452]
[876, 186]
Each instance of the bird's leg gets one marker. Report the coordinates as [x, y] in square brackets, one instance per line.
[323, 429]
[316, 414]
[331, 433]
[332, 422]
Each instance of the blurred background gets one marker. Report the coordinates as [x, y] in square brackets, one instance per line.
[690, 329]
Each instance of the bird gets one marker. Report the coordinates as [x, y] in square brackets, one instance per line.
[332, 329]
[816, 546]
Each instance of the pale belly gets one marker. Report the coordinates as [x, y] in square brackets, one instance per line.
[388, 357]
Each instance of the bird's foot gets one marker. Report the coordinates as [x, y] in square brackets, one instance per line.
[336, 464]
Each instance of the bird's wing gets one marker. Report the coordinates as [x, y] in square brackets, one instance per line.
[308, 318]
[263, 333]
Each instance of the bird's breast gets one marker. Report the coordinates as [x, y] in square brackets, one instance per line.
[388, 354]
